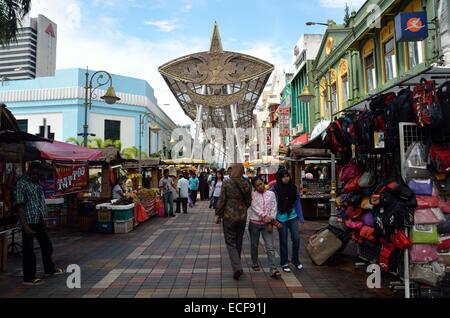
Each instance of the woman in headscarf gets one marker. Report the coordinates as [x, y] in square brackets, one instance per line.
[231, 210]
[287, 214]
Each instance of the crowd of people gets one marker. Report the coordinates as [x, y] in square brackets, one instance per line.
[239, 198]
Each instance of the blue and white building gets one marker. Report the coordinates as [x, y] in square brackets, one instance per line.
[59, 101]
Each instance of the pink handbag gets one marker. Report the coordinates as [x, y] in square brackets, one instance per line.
[423, 253]
[425, 216]
[356, 225]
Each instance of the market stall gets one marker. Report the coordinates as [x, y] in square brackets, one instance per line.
[393, 190]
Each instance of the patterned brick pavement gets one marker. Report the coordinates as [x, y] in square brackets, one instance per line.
[182, 257]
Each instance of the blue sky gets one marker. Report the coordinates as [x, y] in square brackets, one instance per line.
[134, 37]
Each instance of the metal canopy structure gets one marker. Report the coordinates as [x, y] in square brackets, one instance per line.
[218, 89]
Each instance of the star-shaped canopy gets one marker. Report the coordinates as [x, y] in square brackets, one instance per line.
[216, 80]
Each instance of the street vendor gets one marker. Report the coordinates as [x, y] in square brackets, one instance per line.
[117, 191]
[32, 211]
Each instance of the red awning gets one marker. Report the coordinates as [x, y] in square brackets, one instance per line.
[66, 152]
[300, 140]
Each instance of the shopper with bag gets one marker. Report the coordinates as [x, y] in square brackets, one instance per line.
[193, 187]
[262, 216]
[288, 214]
[183, 190]
[231, 210]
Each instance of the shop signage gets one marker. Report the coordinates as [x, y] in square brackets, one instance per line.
[284, 119]
[70, 178]
[411, 26]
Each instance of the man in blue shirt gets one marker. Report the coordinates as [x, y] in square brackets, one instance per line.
[193, 187]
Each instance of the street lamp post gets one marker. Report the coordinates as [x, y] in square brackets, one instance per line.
[142, 119]
[110, 97]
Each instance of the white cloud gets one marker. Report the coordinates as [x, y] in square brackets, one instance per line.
[164, 25]
[353, 4]
[188, 7]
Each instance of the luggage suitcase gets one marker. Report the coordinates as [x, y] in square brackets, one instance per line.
[322, 245]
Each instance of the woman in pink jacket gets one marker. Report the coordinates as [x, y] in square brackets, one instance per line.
[262, 215]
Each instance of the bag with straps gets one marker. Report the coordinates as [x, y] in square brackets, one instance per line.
[425, 234]
[387, 257]
[400, 240]
[425, 216]
[421, 186]
[423, 253]
[322, 245]
[426, 105]
[430, 274]
[440, 157]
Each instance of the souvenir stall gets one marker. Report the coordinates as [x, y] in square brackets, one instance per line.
[314, 186]
[393, 189]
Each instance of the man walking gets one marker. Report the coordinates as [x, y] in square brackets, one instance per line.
[32, 210]
[193, 187]
[183, 190]
[166, 186]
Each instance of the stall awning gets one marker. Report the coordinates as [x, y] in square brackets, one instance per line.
[61, 151]
[300, 140]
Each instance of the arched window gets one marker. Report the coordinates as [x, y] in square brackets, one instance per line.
[388, 52]
[368, 55]
[343, 83]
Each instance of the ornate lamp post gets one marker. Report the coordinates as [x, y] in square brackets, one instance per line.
[110, 97]
[142, 119]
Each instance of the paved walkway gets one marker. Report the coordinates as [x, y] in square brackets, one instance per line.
[182, 257]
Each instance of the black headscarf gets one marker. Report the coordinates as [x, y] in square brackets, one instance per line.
[286, 193]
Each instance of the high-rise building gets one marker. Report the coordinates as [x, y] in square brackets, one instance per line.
[33, 53]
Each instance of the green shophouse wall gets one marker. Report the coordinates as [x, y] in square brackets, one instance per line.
[348, 44]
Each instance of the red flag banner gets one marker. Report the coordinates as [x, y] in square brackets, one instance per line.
[70, 178]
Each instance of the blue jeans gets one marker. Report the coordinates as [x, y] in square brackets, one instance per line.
[168, 203]
[255, 231]
[291, 226]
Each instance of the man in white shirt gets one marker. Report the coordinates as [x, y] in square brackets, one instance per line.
[183, 193]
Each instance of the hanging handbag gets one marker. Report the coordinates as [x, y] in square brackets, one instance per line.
[368, 219]
[425, 234]
[385, 258]
[367, 232]
[353, 212]
[400, 240]
[444, 206]
[425, 216]
[421, 187]
[367, 179]
[426, 202]
[365, 204]
[355, 225]
[423, 253]
[350, 171]
[352, 185]
[430, 274]
[444, 243]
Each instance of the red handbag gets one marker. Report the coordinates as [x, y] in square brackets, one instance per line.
[400, 240]
[357, 238]
[426, 202]
[350, 171]
[386, 251]
[444, 206]
[356, 225]
[367, 233]
[354, 212]
[444, 244]
[352, 185]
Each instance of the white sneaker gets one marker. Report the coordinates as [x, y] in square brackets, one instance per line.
[300, 266]
[286, 269]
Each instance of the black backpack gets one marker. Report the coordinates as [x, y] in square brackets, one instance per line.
[403, 103]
